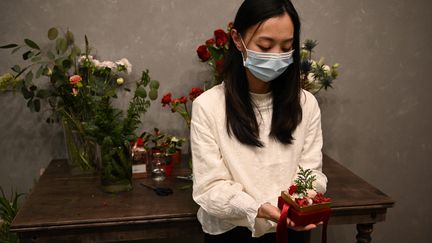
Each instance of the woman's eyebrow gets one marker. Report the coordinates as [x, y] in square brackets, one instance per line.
[267, 38]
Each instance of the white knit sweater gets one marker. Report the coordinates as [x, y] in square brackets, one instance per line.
[232, 180]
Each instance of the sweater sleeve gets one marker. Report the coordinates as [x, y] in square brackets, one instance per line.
[213, 187]
[311, 156]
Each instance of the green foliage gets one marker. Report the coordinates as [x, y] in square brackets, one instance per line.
[8, 211]
[304, 180]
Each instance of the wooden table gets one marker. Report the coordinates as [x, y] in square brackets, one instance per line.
[66, 208]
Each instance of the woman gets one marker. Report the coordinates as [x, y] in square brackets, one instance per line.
[250, 134]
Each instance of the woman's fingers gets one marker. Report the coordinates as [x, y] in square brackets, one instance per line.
[303, 228]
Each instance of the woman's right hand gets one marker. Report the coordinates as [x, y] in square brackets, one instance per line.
[270, 212]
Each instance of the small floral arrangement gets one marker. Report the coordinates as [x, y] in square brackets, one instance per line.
[179, 105]
[165, 143]
[315, 75]
[302, 191]
[213, 53]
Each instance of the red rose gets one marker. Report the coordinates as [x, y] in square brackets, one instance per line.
[221, 37]
[320, 198]
[301, 202]
[74, 79]
[210, 42]
[292, 189]
[219, 66]
[203, 53]
[194, 93]
[183, 99]
[166, 99]
[140, 142]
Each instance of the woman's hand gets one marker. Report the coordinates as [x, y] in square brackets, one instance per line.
[270, 212]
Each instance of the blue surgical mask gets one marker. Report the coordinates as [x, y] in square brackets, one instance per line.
[267, 66]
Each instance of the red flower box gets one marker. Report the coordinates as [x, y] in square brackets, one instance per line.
[304, 215]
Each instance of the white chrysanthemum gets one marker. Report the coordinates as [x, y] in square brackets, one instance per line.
[107, 64]
[125, 62]
[311, 77]
[326, 69]
[84, 57]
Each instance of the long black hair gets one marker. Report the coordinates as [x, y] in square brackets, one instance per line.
[285, 89]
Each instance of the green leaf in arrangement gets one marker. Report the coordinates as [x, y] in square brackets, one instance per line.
[66, 64]
[28, 78]
[61, 45]
[16, 68]
[154, 84]
[141, 92]
[39, 71]
[31, 44]
[153, 94]
[15, 49]
[37, 105]
[43, 93]
[26, 55]
[52, 33]
[31, 105]
[26, 93]
[69, 38]
[8, 46]
[76, 51]
[36, 59]
[50, 55]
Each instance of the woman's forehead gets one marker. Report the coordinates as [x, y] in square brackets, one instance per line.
[276, 28]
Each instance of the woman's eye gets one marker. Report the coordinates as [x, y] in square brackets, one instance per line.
[263, 48]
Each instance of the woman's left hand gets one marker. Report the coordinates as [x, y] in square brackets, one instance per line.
[270, 212]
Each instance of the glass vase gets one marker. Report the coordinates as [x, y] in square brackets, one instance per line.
[83, 156]
[116, 171]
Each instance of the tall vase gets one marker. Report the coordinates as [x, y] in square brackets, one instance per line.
[83, 156]
[116, 171]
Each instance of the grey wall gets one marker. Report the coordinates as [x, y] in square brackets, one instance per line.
[375, 120]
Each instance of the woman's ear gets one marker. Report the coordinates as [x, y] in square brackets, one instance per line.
[236, 38]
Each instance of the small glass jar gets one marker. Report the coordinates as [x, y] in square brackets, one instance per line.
[158, 167]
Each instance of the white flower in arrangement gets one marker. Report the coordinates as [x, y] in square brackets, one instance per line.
[174, 139]
[126, 64]
[311, 77]
[107, 64]
[311, 193]
[326, 69]
[82, 58]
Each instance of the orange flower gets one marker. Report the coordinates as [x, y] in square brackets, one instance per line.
[75, 79]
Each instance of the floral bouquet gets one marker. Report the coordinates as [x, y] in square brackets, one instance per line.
[179, 105]
[213, 52]
[315, 75]
[77, 89]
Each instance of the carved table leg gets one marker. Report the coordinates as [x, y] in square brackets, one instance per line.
[364, 232]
